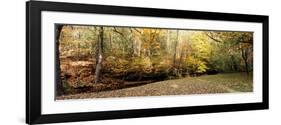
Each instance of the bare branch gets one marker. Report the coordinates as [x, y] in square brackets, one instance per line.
[115, 30]
[212, 37]
[137, 30]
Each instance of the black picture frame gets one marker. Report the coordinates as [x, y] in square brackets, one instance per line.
[33, 61]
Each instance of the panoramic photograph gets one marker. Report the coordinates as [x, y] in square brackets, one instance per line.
[114, 61]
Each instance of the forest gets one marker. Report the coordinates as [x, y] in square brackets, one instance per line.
[113, 61]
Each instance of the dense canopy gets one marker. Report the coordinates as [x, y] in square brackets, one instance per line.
[97, 55]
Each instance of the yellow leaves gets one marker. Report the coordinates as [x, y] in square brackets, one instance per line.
[201, 45]
[146, 31]
[150, 39]
[157, 46]
[145, 45]
[196, 65]
[143, 48]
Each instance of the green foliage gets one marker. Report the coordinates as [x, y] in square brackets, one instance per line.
[227, 51]
[66, 87]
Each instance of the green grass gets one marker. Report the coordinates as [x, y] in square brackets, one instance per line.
[207, 84]
[241, 82]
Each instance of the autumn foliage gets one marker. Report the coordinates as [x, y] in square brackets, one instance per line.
[97, 58]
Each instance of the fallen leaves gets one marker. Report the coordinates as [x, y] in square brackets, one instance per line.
[208, 84]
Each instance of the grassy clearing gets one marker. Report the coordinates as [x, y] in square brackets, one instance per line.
[240, 82]
[220, 83]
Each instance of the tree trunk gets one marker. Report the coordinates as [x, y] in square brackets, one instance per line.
[175, 49]
[168, 41]
[59, 86]
[234, 66]
[110, 42]
[245, 58]
[175, 55]
[139, 47]
[99, 56]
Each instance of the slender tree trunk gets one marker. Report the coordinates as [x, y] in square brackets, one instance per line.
[99, 56]
[168, 41]
[245, 58]
[110, 42]
[175, 55]
[59, 86]
[139, 47]
[175, 50]
[233, 63]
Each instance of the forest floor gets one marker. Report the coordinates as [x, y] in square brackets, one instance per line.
[219, 83]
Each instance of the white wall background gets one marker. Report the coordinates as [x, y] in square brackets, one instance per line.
[12, 63]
